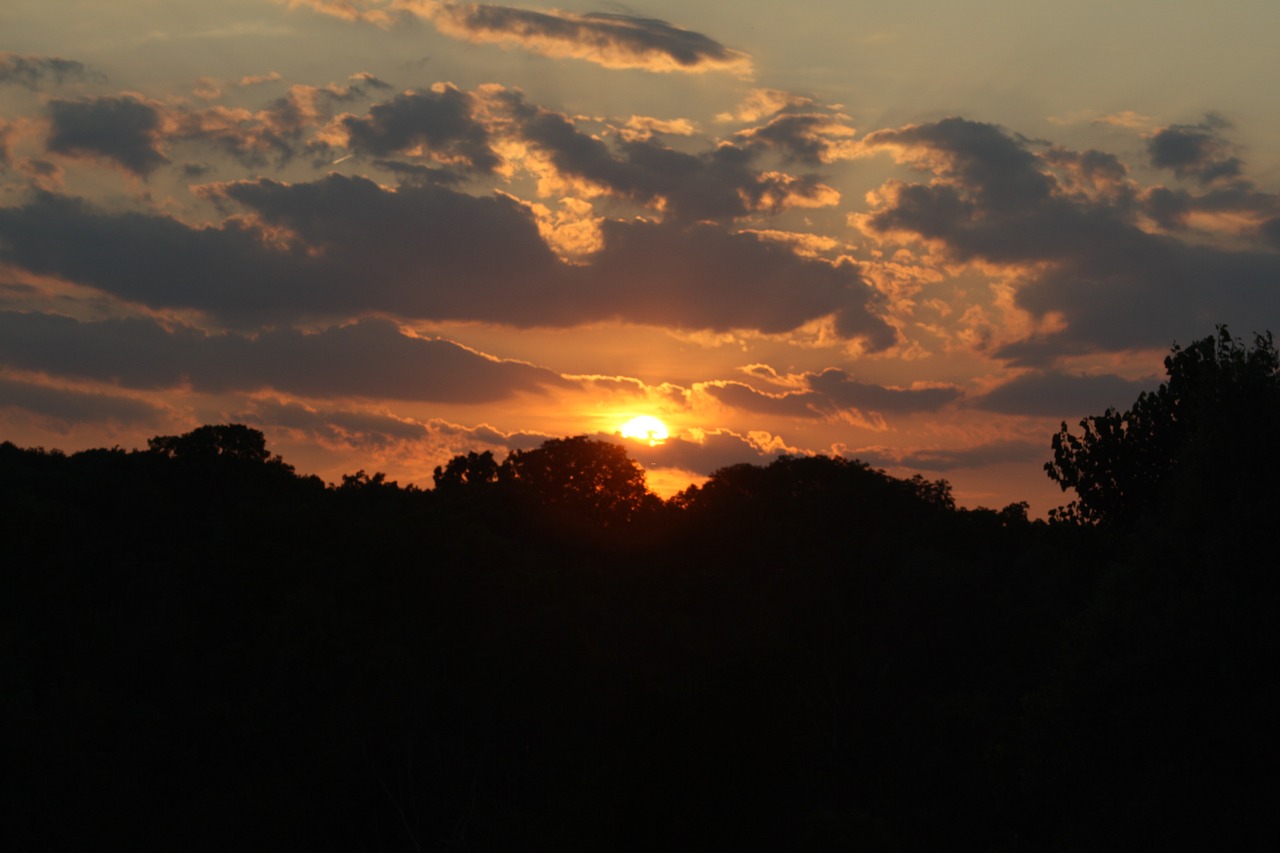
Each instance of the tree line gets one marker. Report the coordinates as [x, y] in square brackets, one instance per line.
[207, 650]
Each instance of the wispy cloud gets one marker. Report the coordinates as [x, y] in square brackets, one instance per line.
[607, 39]
[32, 72]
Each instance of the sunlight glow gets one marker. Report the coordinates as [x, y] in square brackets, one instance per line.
[645, 428]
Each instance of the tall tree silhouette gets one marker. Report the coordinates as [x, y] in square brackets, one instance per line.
[593, 480]
[225, 441]
[1210, 424]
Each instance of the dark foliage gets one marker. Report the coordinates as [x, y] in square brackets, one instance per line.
[204, 650]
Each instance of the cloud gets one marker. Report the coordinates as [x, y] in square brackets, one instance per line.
[1071, 228]
[761, 103]
[721, 183]
[703, 451]
[738, 395]
[813, 138]
[69, 406]
[829, 392]
[420, 445]
[1198, 151]
[1062, 395]
[432, 253]
[370, 359]
[702, 277]
[981, 456]
[31, 72]
[120, 129]
[607, 39]
[134, 133]
[367, 11]
[440, 120]
[351, 427]
[840, 390]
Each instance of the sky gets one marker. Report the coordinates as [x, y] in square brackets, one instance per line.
[385, 232]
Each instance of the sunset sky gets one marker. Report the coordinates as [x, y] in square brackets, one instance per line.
[386, 232]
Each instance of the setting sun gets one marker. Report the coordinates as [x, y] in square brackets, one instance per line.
[645, 428]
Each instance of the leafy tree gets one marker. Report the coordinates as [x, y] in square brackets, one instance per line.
[594, 480]
[473, 469]
[225, 441]
[1207, 426]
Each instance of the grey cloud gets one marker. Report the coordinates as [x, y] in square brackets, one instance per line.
[843, 391]
[441, 120]
[1172, 209]
[950, 460]
[611, 40]
[702, 277]
[416, 174]
[365, 78]
[831, 391]
[1116, 285]
[802, 136]
[1269, 232]
[429, 252]
[739, 396]
[716, 184]
[1062, 395]
[71, 407]
[368, 428]
[1197, 151]
[371, 358]
[120, 129]
[999, 170]
[32, 71]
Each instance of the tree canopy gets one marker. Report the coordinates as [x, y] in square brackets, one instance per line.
[1214, 417]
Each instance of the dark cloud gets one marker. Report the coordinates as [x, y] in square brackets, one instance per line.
[1196, 151]
[32, 71]
[371, 358]
[430, 252]
[133, 133]
[842, 391]
[441, 120]
[995, 453]
[1062, 395]
[1269, 232]
[795, 404]
[69, 407]
[365, 78]
[1173, 209]
[1085, 256]
[6, 141]
[829, 392]
[123, 130]
[812, 138]
[610, 40]
[999, 171]
[717, 184]
[711, 451]
[369, 429]
[703, 277]
[415, 173]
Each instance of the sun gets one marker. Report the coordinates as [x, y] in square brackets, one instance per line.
[645, 428]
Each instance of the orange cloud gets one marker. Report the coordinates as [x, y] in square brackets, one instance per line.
[367, 11]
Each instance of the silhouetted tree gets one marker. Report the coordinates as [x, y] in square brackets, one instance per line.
[473, 469]
[593, 480]
[224, 441]
[1218, 407]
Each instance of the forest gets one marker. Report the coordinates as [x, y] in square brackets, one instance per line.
[206, 650]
